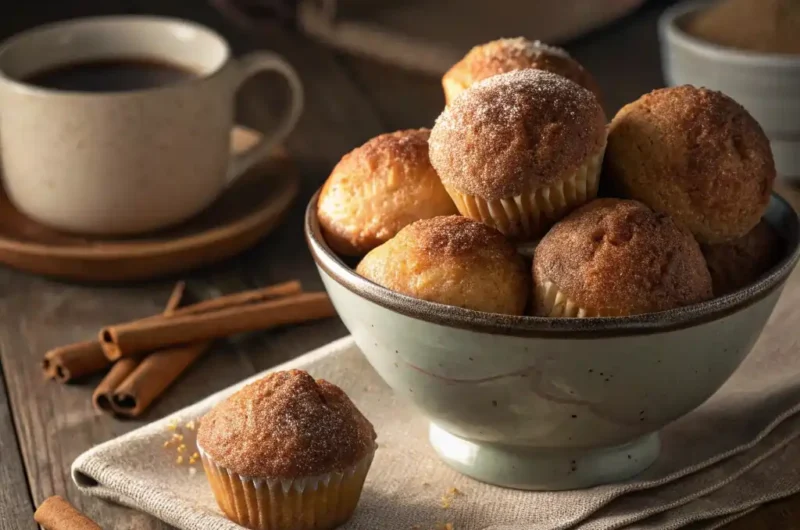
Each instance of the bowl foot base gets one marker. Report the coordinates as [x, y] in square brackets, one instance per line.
[544, 469]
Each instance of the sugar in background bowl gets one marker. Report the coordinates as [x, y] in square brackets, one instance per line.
[538, 403]
[767, 85]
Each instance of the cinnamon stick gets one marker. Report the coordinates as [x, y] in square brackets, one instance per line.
[152, 377]
[66, 363]
[126, 340]
[56, 513]
[271, 292]
[206, 306]
[103, 394]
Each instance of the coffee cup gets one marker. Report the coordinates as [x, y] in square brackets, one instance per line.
[121, 125]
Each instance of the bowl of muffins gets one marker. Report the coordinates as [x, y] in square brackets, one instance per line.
[536, 279]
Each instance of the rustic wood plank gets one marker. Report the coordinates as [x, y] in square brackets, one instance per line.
[16, 509]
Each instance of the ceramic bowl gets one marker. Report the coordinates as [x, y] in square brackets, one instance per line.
[544, 403]
[767, 85]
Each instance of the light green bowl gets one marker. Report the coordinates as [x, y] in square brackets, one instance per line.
[544, 403]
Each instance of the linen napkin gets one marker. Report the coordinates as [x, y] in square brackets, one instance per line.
[738, 450]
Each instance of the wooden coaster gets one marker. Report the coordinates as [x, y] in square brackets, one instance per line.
[245, 213]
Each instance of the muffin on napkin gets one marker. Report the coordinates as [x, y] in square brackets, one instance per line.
[287, 453]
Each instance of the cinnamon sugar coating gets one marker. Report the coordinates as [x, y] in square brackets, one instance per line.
[377, 189]
[741, 262]
[696, 155]
[451, 260]
[617, 257]
[286, 425]
[507, 55]
[527, 128]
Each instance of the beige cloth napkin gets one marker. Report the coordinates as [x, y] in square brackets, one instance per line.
[737, 451]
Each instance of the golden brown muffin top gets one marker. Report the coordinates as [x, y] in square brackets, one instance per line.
[740, 262]
[451, 260]
[507, 55]
[696, 154]
[618, 257]
[523, 128]
[286, 425]
[377, 189]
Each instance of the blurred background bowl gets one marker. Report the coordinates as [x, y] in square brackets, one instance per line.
[544, 403]
[767, 85]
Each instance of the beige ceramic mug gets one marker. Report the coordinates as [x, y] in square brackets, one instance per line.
[126, 161]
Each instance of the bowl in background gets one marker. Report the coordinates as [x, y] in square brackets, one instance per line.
[767, 85]
[551, 403]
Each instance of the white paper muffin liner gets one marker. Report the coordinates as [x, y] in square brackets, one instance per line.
[531, 213]
[307, 503]
[550, 301]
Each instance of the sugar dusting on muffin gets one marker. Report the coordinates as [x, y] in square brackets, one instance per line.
[286, 425]
[614, 257]
[513, 128]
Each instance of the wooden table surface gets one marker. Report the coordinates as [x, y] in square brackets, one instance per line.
[44, 426]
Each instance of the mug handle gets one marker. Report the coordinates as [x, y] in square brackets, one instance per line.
[250, 65]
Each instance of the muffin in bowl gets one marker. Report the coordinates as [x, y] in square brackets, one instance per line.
[507, 55]
[451, 260]
[518, 151]
[617, 257]
[739, 263]
[696, 155]
[377, 189]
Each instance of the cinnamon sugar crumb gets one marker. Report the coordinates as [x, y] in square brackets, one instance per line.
[181, 448]
[447, 498]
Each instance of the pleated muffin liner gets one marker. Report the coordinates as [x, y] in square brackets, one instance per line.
[307, 503]
[532, 212]
[550, 301]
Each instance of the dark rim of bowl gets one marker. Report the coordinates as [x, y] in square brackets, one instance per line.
[573, 328]
[669, 27]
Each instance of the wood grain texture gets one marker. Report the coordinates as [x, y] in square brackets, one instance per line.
[16, 509]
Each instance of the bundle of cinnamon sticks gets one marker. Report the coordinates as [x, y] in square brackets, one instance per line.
[147, 355]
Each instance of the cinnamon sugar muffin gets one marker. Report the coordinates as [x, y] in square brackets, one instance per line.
[740, 262]
[696, 155]
[377, 189]
[451, 260]
[287, 453]
[518, 151]
[615, 258]
[507, 55]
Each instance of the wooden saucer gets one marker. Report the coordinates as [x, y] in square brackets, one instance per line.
[245, 213]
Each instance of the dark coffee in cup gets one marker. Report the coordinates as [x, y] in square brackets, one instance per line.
[110, 75]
